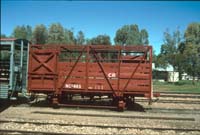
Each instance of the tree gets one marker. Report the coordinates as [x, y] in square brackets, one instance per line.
[101, 40]
[131, 35]
[29, 33]
[3, 36]
[160, 61]
[180, 59]
[88, 41]
[23, 32]
[80, 40]
[169, 54]
[192, 50]
[144, 37]
[121, 35]
[69, 37]
[20, 32]
[40, 34]
[56, 34]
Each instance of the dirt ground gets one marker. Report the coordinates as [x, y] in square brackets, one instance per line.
[67, 115]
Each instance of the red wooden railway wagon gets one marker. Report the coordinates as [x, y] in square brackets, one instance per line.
[119, 72]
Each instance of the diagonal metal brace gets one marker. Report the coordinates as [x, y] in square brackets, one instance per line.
[72, 69]
[43, 63]
[134, 71]
[94, 53]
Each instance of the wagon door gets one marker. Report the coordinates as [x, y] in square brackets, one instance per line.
[42, 70]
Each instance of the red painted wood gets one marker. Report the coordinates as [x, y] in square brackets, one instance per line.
[93, 71]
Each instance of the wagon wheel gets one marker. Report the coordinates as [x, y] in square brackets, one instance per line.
[150, 101]
[55, 101]
[49, 98]
[121, 105]
[32, 97]
[130, 101]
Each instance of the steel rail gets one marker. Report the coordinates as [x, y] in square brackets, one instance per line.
[92, 125]
[170, 101]
[118, 116]
[180, 96]
[28, 132]
[178, 92]
[171, 110]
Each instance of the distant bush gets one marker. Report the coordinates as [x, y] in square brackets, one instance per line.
[187, 82]
[4, 55]
[182, 82]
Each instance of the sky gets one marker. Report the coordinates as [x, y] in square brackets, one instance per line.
[102, 17]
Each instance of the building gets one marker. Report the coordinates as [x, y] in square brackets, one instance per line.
[168, 74]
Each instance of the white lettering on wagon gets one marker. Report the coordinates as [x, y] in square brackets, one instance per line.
[98, 87]
[77, 86]
[111, 74]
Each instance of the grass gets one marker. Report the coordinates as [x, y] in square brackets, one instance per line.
[181, 86]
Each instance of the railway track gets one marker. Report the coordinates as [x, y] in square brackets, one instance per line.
[172, 110]
[28, 132]
[180, 96]
[170, 101]
[178, 92]
[118, 116]
[106, 127]
[87, 125]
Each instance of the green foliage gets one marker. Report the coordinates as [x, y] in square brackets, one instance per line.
[40, 34]
[192, 49]
[130, 35]
[23, 32]
[184, 55]
[170, 50]
[20, 32]
[133, 36]
[80, 39]
[100, 40]
[144, 37]
[3, 36]
[56, 34]
[88, 41]
[4, 55]
[69, 37]
[179, 83]
[192, 34]
[160, 61]
[186, 82]
[156, 59]
[122, 35]
[29, 33]
[180, 60]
